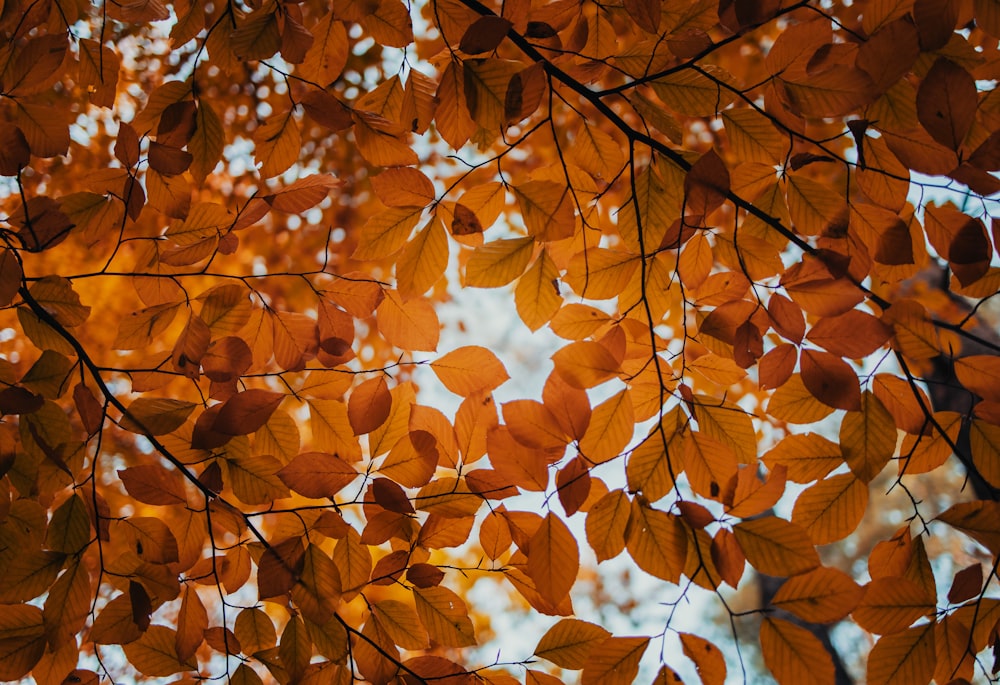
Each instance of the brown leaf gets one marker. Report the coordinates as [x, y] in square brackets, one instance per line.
[947, 102]
[485, 34]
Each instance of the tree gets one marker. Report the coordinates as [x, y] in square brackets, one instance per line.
[758, 229]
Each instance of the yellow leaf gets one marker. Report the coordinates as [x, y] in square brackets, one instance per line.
[401, 623]
[499, 262]
[278, 144]
[793, 654]
[546, 208]
[793, 403]
[615, 661]
[601, 274]
[728, 424]
[486, 90]
[814, 206]
[597, 153]
[776, 547]
[154, 654]
[537, 293]
[331, 428]
[380, 141]
[753, 138]
[445, 616]
[831, 509]
[386, 232]
[389, 24]
[207, 143]
[255, 630]
[821, 596]
[696, 94]
[423, 260]
[868, 438]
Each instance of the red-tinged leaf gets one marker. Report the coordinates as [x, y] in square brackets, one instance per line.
[707, 658]
[855, 334]
[10, 275]
[14, 151]
[573, 485]
[553, 559]
[706, 184]
[947, 102]
[192, 620]
[967, 584]
[153, 484]
[317, 474]
[830, 380]
[470, 370]
[645, 13]
[245, 412]
[369, 406]
[303, 194]
[484, 35]
[615, 661]
[776, 367]
[793, 654]
[728, 557]
[424, 575]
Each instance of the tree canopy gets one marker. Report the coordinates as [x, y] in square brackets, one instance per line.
[761, 231]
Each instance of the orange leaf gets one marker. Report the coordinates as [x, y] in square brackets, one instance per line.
[821, 596]
[410, 325]
[706, 657]
[832, 508]
[585, 364]
[615, 661]
[793, 654]
[657, 542]
[607, 521]
[776, 547]
[947, 102]
[569, 642]
[890, 605]
[905, 658]
[553, 559]
[370, 405]
[317, 474]
[750, 496]
[470, 370]
[153, 484]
